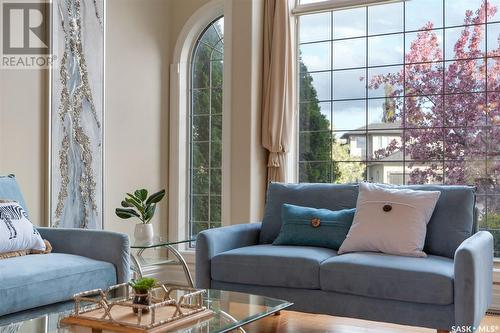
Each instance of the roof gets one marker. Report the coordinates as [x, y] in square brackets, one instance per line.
[381, 128]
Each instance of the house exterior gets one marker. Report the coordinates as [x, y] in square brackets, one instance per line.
[362, 144]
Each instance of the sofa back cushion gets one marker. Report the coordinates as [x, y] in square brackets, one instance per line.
[452, 220]
[328, 196]
[9, 189]
[450, 224]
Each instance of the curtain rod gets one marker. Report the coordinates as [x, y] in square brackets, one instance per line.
[329, 5]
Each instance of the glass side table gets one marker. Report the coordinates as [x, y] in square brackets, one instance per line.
[141, 261]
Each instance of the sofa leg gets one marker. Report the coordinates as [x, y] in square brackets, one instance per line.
[279, 312]
[442, 331]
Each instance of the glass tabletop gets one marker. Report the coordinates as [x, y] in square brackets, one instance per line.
[231, 310]
[156, 242]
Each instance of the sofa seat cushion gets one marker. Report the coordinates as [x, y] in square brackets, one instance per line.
[35, 280]
[271, 265]
[419, 280]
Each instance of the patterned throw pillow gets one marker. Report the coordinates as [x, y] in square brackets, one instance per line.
[16, 231]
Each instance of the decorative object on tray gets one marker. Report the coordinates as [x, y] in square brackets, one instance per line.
[143, 207]
[142, 291]
[165, 313]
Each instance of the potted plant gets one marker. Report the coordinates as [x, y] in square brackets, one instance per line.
[143, 207]
[142, 291]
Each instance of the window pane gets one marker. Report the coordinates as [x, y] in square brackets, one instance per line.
[217, 73]
[385, 18]
[348, 172]
[464, 172]
[465, 109]
[424, 111]
[493, 34]
[349, 84]
[201, 128]
[315, 172]
[216, 128]
[216, 182]
[216, 100]
[315, 146]
[455, 11]
[491, 219]
[200, 155]
[424, 46]
[493, 77]
[349, 23]
[385, 81]
[386, 111]
[493, 4]
[349, 53]
[201, 101]
[466, 144]
[386, 172]
[200, 181]
[215, 211]
[315, 27]
[465, 76]
[422, 172]
[315, 116]
[205, 139]
[493, 109]
[216, 155]
[350, 146]
[385, 50]
[465, 42]
[424, 144]
[433, 17]
[385, 144]
[315, 86]
[199, 208]
[424, 79]
[316, 56]
[348, 115]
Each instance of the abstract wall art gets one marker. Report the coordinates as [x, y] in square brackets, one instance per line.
[76, 113]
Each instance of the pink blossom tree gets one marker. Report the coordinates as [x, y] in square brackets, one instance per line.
[450, 124]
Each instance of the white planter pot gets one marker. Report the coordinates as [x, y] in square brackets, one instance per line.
[143, 233]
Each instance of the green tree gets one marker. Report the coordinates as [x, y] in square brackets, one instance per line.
[315, 142]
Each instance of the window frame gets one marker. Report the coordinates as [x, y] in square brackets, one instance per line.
[332, 5]
[190, 134]
[178, 164]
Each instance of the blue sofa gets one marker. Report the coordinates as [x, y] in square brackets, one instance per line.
[81, 260]
[452, 286]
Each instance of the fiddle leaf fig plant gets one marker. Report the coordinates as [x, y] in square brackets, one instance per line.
[139, 205]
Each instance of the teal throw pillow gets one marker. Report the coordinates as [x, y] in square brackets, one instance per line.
[307, 226]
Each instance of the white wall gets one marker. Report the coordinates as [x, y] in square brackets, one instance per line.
[136, 113]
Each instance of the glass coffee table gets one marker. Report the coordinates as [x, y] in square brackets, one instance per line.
[232, 310]
[147, 254]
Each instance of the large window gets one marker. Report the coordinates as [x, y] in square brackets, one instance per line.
[205, 172]
[403, 93]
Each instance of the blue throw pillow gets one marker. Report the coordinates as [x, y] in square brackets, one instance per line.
[307, 226]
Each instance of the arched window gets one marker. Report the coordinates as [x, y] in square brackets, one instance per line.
[205, 137]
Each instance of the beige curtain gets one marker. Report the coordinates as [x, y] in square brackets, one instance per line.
[277, 85]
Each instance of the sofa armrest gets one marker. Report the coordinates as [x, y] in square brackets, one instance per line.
[214, 241]
[106, 246]
[473, 279]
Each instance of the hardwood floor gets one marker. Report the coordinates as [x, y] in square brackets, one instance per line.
[296, 322]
